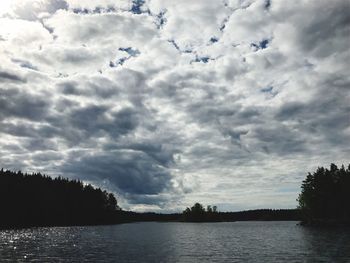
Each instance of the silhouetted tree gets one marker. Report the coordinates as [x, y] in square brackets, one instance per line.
[197, 209]
[197, 213]
[325, 194]
[39, 200]
[209, 209]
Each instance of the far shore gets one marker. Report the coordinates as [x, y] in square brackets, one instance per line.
[122, 217]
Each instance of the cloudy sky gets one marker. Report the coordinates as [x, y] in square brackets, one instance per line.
[164, 102]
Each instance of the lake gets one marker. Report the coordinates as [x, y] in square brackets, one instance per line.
[177, 242]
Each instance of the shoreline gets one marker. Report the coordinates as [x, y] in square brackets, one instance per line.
[325, 223]
[144, 221]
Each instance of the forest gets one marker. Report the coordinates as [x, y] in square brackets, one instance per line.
[39, 200]
[197, 213]
[325, 196]
[28, 200]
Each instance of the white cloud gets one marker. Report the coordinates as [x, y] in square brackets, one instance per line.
[222, 102]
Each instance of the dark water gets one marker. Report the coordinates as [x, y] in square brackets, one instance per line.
[177, 242]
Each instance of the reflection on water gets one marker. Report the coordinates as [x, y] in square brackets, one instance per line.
[177, 242]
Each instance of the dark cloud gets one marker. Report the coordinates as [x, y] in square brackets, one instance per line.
[279, 140]
[327, 32]
[81, 124]
[155, 200]
[290, 110]
[7, 76]
[154, 150]
[131, 172]
[45, 157]
[69, 88]
[39, 144]
[76, 56]
[235, 136]
[249, 113]
[165, 103]
[103, 88]
[28, 130]
[25, 64]
[99, 87]
[326, 116]
[30, 10]
[20, 104]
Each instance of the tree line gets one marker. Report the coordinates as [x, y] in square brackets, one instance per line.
[39, 200]
[197, 213]
[325, 196]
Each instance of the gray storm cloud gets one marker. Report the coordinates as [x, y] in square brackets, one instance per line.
[166, 103]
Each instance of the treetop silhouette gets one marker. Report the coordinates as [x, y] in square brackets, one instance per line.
[325, 194]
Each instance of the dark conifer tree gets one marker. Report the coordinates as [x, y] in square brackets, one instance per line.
[325, 194]
[39, 200]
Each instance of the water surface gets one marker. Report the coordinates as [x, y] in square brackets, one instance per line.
[177, 242]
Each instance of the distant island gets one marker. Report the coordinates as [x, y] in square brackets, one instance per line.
[30, 200]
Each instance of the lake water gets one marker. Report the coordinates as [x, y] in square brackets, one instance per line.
[177, 242]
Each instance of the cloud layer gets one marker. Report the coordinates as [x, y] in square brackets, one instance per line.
[170, 102]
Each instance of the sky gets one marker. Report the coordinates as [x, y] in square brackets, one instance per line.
[167, 103]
